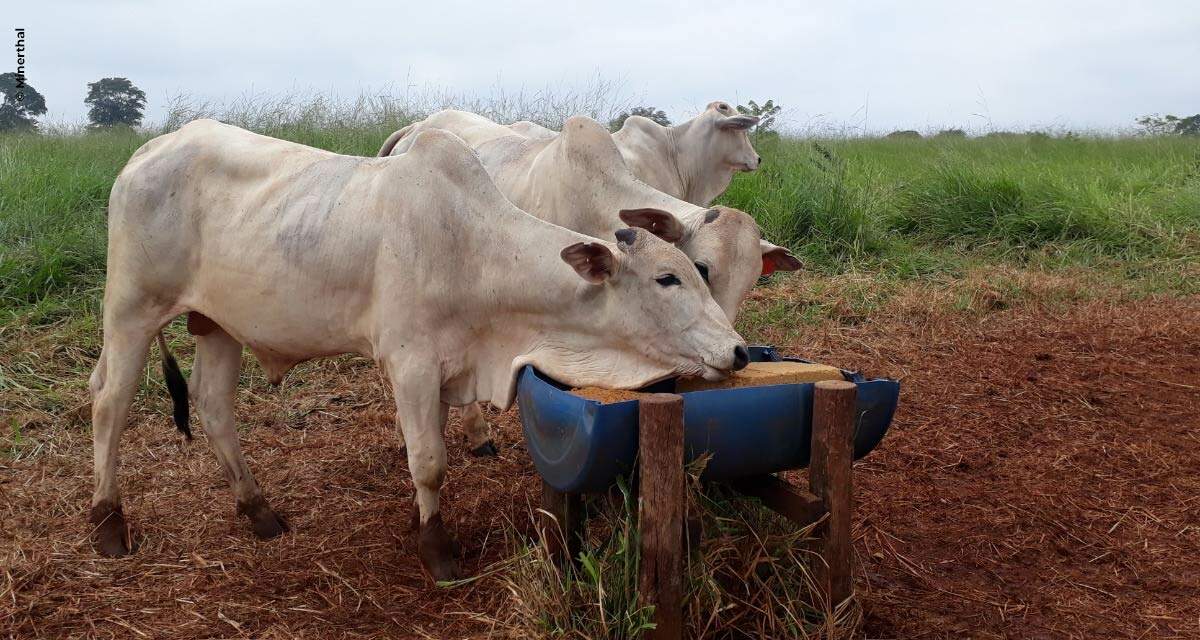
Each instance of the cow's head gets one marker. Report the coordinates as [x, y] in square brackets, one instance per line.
[656, 306]
[727, 142]
[725, 246]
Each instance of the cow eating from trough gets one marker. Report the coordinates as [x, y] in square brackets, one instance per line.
[417, 262]
[577, 179]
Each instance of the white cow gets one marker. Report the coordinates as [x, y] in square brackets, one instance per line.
[577, 179]
[417, 262]
[693, 161]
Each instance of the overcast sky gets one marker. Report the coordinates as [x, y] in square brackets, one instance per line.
[882, 65]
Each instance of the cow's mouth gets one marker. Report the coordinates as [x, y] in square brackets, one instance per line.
[713, 374]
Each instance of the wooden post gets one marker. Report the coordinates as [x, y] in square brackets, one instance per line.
[661, 511]
[563, 532]
[834, 405]
[801, 507]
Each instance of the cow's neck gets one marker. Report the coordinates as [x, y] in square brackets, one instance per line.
[700, 179]
[563, 326]
[565, 346]
[601, 192]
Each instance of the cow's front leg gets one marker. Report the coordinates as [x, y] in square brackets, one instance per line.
[477, 430]
[422, 418]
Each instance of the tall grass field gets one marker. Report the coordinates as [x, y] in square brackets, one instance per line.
[899, 207]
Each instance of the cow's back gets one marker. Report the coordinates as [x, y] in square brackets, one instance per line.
[210, 192]
[473, 129]
[271, 237]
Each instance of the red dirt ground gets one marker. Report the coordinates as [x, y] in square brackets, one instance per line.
[1042, 480]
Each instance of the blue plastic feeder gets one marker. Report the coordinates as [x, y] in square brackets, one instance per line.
[580, 445]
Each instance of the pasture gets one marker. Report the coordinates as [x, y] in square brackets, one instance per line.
[1036, 296]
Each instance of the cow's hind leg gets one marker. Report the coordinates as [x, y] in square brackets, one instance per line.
[422, 415]
[113, 384]
[479, 433]
[213, 386]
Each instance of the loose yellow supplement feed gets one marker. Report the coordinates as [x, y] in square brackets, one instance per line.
[758, 374]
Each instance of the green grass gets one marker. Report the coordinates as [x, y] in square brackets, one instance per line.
[53, 194]
[747, 576]
[919, 206]
[898, 208]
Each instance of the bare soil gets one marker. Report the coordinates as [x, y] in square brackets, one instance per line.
[1041, 480]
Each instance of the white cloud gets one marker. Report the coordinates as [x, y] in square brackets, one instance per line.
[888, 64]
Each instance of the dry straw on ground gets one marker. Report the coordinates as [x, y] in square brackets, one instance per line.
[1039, 481]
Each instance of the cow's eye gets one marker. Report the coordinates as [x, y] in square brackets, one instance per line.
[668, 280]
[703, 269]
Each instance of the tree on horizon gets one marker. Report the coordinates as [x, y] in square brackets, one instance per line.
[114, 102]
[657, 115]
[19, 114]
[1156, 125]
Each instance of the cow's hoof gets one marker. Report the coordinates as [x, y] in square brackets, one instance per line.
[264, 522]
[110, 537]
[437, 549]
[486, 450]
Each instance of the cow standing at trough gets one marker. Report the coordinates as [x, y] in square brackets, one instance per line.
[578, 179]
[693, 161]
[417, 262]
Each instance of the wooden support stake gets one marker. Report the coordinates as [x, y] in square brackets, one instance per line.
[563, 532]
[834, 405]
[799, 506]
[661, 511]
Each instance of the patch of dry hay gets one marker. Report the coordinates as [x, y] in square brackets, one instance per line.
[1039, 481]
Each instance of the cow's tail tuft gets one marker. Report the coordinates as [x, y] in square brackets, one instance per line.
[177, 386]
[393, 140]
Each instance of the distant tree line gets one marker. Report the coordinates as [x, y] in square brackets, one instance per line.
[117, 102]
[1157, 125]
[1153, 125]
[112, 102]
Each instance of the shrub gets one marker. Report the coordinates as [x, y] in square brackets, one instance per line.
[657, 115]
[20, 106]
[951, 133]
[766, 114]
[115, 102]
[906, 134]
[1170, 125]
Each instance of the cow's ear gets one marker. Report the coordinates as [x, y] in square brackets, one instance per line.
[656, 221]
[776, 258]
[591, 260]
[737, 122]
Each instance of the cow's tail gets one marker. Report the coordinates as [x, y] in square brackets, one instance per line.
[393, 140]
[177, 386]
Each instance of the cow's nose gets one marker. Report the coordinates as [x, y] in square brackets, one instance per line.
[758, 160]
[741, 358]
